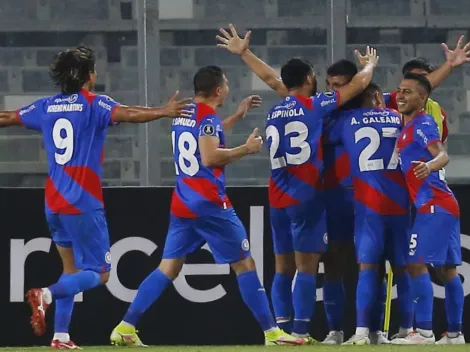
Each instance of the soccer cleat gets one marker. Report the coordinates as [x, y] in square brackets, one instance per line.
[125, 336]
[358, 340]
[446, 340]
[39, 309]
[279, 337]
[309, 340]
[70, 345]
[378, 338]
[334, 338]
[414, 338]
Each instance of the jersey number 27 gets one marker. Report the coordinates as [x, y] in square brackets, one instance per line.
[365, 161]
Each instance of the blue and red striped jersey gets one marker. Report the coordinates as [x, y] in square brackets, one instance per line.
[293, 132]
[369, 136]
[432, 193]
[73, 127]
[200, 190]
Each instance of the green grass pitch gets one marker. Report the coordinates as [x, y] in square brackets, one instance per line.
[316, 348]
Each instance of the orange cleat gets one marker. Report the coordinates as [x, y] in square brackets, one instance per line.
[58, 345]
[38, 308]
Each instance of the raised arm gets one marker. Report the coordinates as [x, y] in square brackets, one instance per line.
[239, 46]
[213, 156]
[141, 114]
[362, 79]
[253, 101]
[9, 118]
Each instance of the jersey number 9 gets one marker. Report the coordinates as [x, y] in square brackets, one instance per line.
[63, 127]
[187, 146]
[298, 141]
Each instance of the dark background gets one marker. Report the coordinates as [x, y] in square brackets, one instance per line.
[143, 212]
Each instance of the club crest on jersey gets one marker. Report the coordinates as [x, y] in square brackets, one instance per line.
[325, 238]
[245, 245]
[107, 257]
[208, 130]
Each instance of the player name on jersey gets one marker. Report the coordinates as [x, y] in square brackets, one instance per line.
[181, 121]
[377, 117]
[285, 113]
[65, 108]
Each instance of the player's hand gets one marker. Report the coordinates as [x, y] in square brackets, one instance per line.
[370, 57]
[458, 56]
[421, 170]
[251, 102]
[254, 143]
[179, 108]
[232, 42]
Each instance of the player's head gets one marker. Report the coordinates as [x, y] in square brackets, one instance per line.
[210, 83]
[371, 97]
[74, 69]
[413, 93]
[340, 73]
[298, 74]
[418, 65]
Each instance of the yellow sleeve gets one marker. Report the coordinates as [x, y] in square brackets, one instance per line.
[434, 109]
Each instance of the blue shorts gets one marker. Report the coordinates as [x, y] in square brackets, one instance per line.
[340, 215]
[87, 234]
[435, 239]
[382, 237]
[223, 232]
[300, 228]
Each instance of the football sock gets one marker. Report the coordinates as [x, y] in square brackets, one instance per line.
[254, 296]
[149, 291]
[378, 309]
[63, 312]
[70, 285]
[405, 300]
[454, 304]
[281, 297]
[304, 299]
[366, 295]
[333, 296]
[423, 295]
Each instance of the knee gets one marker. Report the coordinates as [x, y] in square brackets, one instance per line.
[417, 269]
[244, 265]
[285, 264]
[171, 267]
[307, 262]
[104, 277]
[446, 273]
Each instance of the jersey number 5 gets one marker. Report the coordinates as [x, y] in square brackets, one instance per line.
[365, 161]
[298, 141]
[63, 127]
[187, 146]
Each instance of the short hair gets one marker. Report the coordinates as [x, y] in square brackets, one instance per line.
[422, 81]
[295, 72]
[207, 79]
[342, 67]
[366, 96]
[417, 63]
[71, 69]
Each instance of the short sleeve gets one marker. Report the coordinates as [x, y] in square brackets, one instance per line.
[427, 132]
[30, 115]
[325, 103]
[391, 100]
[210, 126]
[103, 108]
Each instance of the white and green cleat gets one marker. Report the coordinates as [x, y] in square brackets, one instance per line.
[279, 337]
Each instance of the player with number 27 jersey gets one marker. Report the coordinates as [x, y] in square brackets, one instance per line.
[293, 132]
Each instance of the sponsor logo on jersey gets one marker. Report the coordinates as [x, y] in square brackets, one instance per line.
[28, 109]
[104, 105]
[71, 99]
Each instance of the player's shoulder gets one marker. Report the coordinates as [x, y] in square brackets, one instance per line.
[205, 113]
[39, 106]
[323, 96]
[425, 120]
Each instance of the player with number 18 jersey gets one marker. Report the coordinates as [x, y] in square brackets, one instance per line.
[293, 132]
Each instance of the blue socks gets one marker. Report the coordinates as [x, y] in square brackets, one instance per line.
[70, 285]
[255, 298]
[304, 299]
[281, 297]
[149, 291]
[423, 295]
[378, 309]
[405, 300]
[63, 311]
[366, 295]
[333, 296]
[454, 304]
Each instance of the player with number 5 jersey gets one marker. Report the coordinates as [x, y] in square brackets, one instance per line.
[73, 124]
[202, 213]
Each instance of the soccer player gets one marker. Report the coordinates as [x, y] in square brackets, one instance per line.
[293, 132]
[73, 124]
[435, 238]
[201, 212]
[381, 207]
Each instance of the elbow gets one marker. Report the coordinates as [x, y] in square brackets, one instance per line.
[445, 159]
[207, 161]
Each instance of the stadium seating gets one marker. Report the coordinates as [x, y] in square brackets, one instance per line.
[43, 27]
